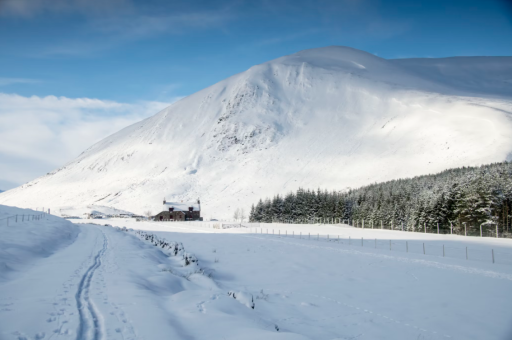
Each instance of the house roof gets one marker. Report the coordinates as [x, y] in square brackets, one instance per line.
[182, 206]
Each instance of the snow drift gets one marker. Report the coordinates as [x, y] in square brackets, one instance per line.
[331, 117]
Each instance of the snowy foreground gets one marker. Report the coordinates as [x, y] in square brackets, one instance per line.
[61, 280]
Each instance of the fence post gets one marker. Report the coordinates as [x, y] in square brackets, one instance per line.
[361, 241]
[492, 250]
[443, 250]
[438, 228]
[425, 226]
[423, 248]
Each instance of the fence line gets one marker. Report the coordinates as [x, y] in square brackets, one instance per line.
[405, 246]
[21, 218]
[438, 228]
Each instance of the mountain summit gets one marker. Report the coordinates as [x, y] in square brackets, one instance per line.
[332, 117]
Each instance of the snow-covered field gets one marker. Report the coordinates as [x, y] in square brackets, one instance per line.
[86, 281]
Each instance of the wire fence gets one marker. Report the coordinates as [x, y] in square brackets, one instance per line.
[14, 219]
[405, 246]
[427, 248]
[463, 229]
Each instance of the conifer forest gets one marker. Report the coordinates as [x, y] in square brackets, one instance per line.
[464, 201]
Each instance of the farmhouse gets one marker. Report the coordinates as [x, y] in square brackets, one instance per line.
[182, 211]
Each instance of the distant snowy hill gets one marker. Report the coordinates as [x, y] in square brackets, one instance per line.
[331, 117]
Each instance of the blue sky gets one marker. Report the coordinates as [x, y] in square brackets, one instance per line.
[134, 57]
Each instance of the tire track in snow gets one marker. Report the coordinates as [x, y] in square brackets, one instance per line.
[90, 319]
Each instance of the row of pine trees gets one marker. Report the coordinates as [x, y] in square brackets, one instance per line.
[462, 199]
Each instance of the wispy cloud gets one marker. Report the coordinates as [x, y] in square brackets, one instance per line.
[11, 81]
[47, 132]
[99, 31]
[134, 26]
[29, 8]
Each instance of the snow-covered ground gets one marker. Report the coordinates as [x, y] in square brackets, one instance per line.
[86, 281]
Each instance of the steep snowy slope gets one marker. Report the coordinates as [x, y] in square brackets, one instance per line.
[332, 117]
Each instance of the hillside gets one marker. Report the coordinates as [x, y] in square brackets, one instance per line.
[330, 117]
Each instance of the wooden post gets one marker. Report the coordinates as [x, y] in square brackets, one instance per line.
[492, 255]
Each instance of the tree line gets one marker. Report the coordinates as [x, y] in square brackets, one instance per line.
[467, 197]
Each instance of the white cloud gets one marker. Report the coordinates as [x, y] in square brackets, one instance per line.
[39, 134]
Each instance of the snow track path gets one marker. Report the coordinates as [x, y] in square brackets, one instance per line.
[91, 321]
[100, 286]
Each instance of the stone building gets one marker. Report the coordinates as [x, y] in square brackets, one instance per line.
[182, 211]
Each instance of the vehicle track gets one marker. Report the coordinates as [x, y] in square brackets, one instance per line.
[90, 319]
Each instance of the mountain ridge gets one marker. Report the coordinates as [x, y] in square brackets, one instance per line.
[330, 117]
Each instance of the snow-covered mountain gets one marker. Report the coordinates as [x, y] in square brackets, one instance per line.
[331, 117]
